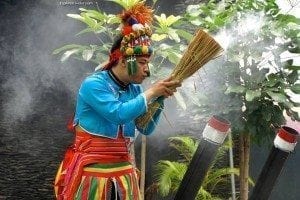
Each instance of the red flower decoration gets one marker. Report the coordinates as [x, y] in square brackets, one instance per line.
[127, 30]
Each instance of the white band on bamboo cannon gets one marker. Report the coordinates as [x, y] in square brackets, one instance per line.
[216, 130]
[286, 139]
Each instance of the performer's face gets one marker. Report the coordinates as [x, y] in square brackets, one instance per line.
[142, 69]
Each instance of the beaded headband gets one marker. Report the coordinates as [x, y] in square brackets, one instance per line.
[136, 33]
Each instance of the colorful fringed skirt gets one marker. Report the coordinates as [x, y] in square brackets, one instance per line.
[97, 168]
[99, 179]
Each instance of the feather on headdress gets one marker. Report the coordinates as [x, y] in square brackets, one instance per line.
[142, 13]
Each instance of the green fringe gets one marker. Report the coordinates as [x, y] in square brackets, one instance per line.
[131, 67]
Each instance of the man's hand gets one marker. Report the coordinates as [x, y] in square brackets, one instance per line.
[165, 87]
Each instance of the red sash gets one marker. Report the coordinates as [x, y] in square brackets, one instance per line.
[88, 149]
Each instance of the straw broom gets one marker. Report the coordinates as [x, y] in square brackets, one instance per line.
[201, 50]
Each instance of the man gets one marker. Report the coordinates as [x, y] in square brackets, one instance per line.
[99, 165]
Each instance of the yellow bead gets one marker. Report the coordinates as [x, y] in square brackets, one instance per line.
[145, 49]
[129, 51]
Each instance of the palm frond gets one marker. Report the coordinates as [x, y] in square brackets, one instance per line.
[221, 153]
[217, 176]
[169, 175]
[206, 195]
[185, 145]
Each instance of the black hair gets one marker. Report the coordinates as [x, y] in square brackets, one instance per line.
[117, 43]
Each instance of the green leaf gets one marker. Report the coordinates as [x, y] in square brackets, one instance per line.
[87, 30]
[193, 10]
[196, 22]
[173, 57]
[185, 145]
[293, 114]
[288, 104]
[293, 77]
[285, 19]
[66, 47]
[158, 37]
[165, 22]
[292, 67]
[87, 54]
[172, 19]
[67, 54]
[113, 19]
[219, 21]
[89, 21]
[267, 116]
[173, 35]
[278, 97]
[235, 89]
[296, 88]
[295, 49]
[186, 35]
[252, 94]
[273, 79]
[125, 3]
[94, 14]
[76, 16]
[164, 46]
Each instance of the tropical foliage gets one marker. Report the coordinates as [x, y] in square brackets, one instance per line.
[170, 173]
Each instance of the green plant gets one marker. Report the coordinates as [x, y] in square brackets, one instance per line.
[170, 173]
[257, 84]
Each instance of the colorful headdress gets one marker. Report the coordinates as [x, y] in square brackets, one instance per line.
[136, 33]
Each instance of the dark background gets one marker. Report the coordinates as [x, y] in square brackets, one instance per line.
[38, 93]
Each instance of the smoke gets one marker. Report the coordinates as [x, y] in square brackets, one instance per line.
[204, 92]
[20, 101]
[33, 70]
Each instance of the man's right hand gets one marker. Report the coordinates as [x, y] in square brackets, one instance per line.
[165, 88]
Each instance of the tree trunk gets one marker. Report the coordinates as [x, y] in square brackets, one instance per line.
[244, 165]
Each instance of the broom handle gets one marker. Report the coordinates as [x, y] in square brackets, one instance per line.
[160, 99]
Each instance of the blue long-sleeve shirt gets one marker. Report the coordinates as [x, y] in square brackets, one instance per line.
[103, 105]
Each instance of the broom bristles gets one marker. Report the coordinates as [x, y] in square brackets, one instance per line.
[201, 49]
[144, 120]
